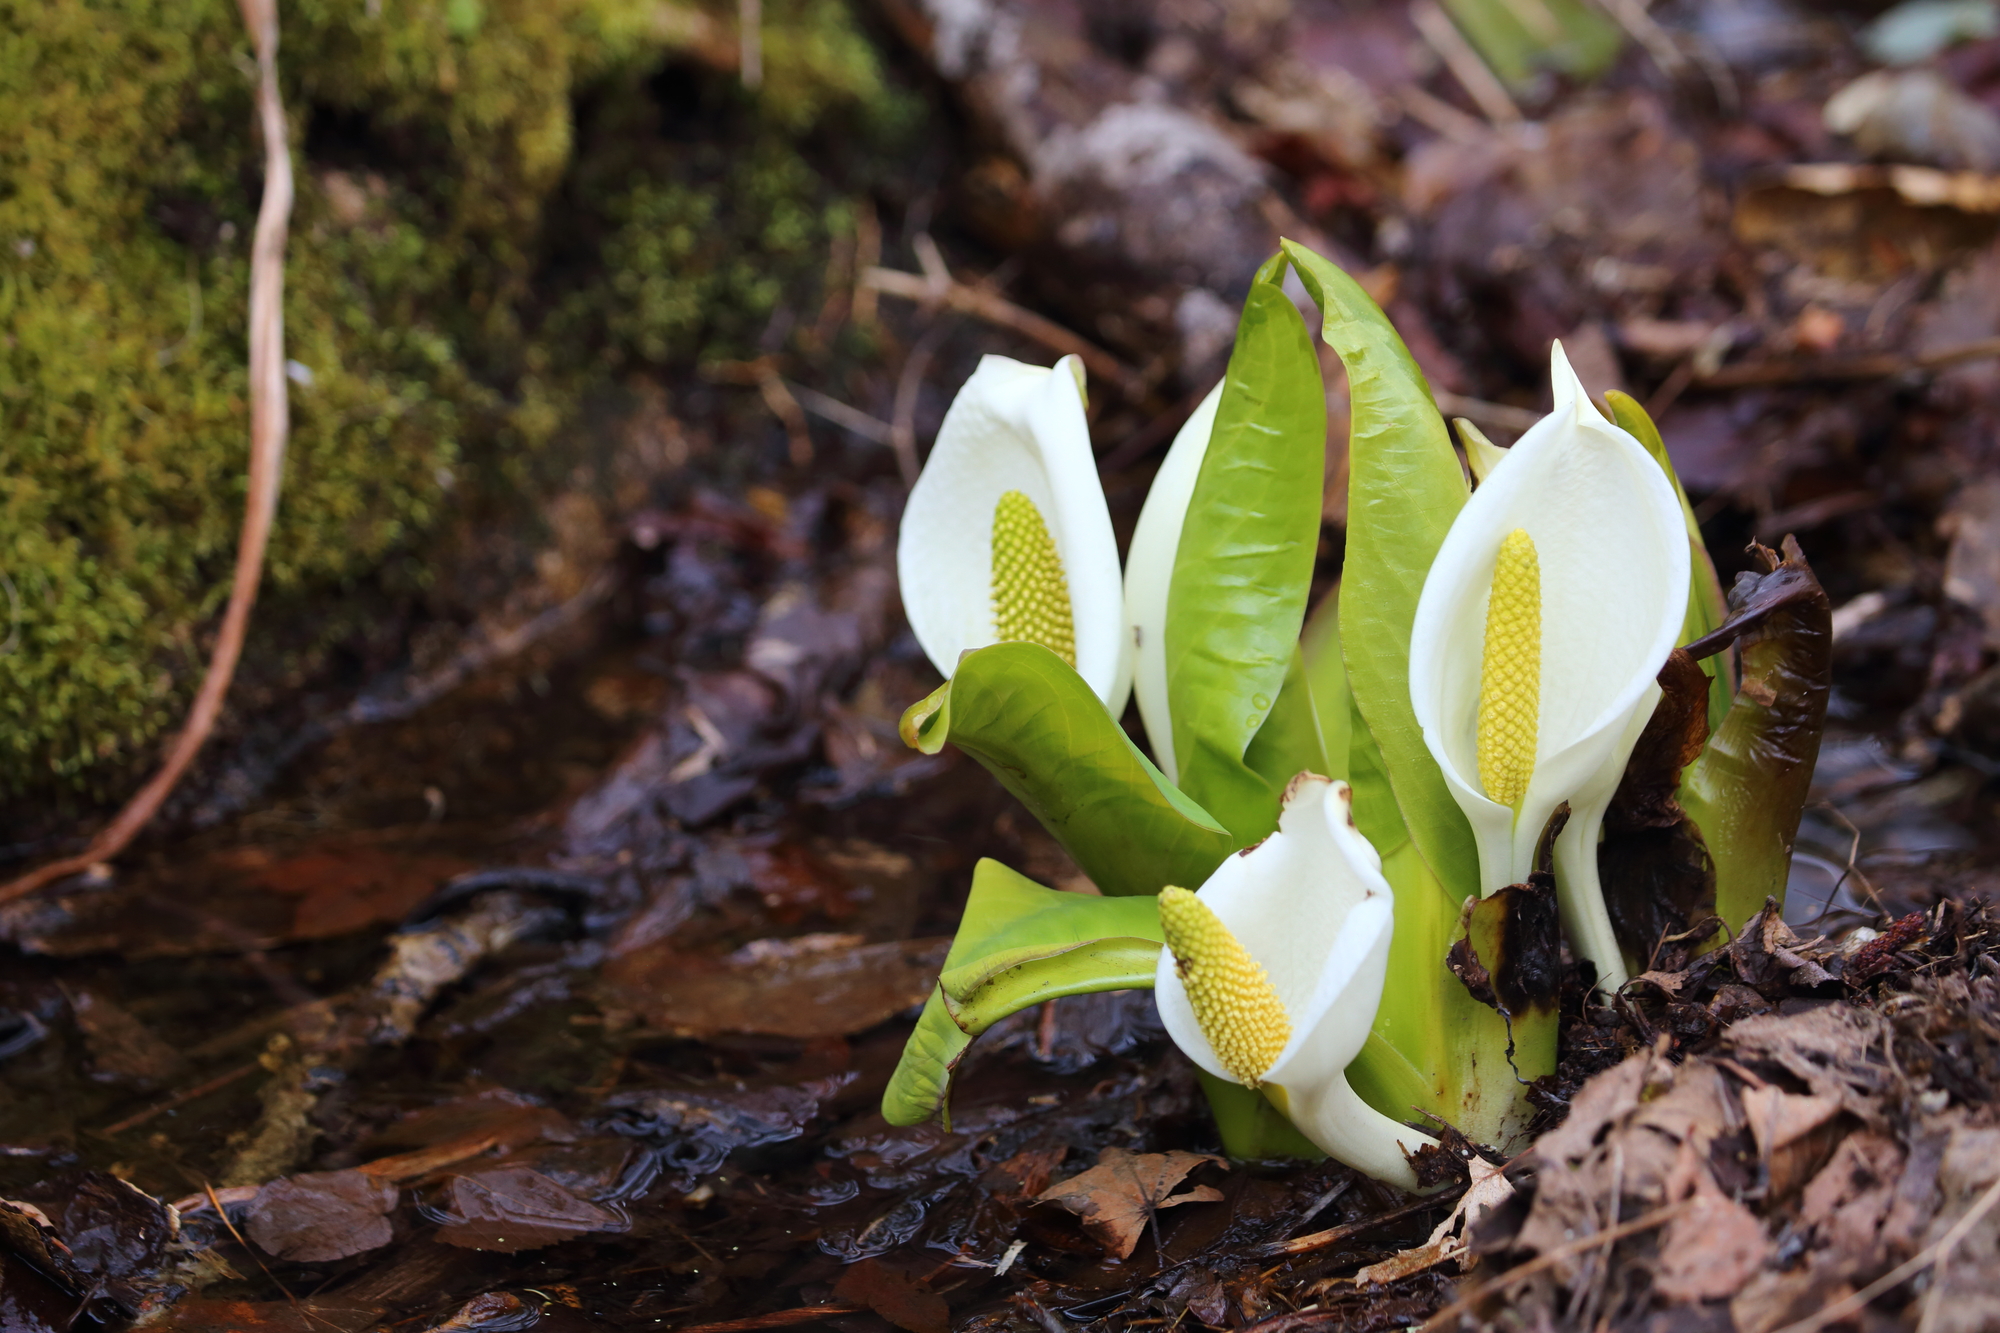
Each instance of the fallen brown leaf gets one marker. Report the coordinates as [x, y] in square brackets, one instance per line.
[1118, 1196]
[897, 1297]
[321, 1215]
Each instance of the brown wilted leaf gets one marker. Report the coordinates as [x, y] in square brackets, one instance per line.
[321, 1215]
[1120, 1194]
[897, 1297]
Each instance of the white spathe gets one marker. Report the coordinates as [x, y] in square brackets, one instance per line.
[1013, 427]
[1613, 554]
[1149, 573]
[1309, 903]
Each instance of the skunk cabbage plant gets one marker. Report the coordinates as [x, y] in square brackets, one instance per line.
[1343, 867]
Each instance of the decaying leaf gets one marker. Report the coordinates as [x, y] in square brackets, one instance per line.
[808, 987]
[1450, 1239]
[511, 1208]
[1117, 1197]
[897, 1297]
[321, 1215]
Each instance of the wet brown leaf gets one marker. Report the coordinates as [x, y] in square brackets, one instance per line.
[512, 1208]
[341, 889]
[321, 1215]
[897, 1297]
[120, 1045]
[1118, 1197]
[813, 986]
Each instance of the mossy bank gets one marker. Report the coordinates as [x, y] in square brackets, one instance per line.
[502, 205]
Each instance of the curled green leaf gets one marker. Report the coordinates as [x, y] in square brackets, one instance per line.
[1018, 945]
[1033, 723]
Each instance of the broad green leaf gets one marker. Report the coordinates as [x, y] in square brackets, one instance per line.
[1326, 676]
[1290, 742]
[1034, 724]
[1405, 485]
[1018, 945]
[1243, 571]
[1707, 607]
[1748, 788]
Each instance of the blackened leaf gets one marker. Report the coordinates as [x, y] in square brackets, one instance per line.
[1657, 877]
[1510, 956]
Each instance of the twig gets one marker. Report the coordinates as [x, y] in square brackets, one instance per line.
[750, 42]
[1472, 73]
[850, 419]
[805, 1314]
[786, 409]
[1480, 412]
[182, 1098]
[1937, 1252]
[903, 426]
[990, 306]
[270, 422]
[1883, 365]
[1320, 1240]
[1550, 1258]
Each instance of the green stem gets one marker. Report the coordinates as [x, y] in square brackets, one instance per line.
[1252, 1129]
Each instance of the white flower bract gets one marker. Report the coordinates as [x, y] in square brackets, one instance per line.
[1149, 572]
[1612, 548]
[1309, 904]
[1013, 427]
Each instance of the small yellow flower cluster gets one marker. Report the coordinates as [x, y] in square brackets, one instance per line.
[1232, 997]
[1030, 595]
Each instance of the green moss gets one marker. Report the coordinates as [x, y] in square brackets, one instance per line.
[440, 186]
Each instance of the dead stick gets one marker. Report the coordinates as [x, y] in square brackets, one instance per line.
[215, 1084]
[981, 303]
[1884, 365]
[1319, 1240]
[269, 425]
[805, 1314]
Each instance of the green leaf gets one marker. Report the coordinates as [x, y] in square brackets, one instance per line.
[1290, 742]
[1748, 789]
[1326, 676]
[1405, 485]
[1707, 607]
[1018, 945]
[1521, 38]
[1033, 723]
[1243, 571]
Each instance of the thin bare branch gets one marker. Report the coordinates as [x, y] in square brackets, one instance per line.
[270, 421]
